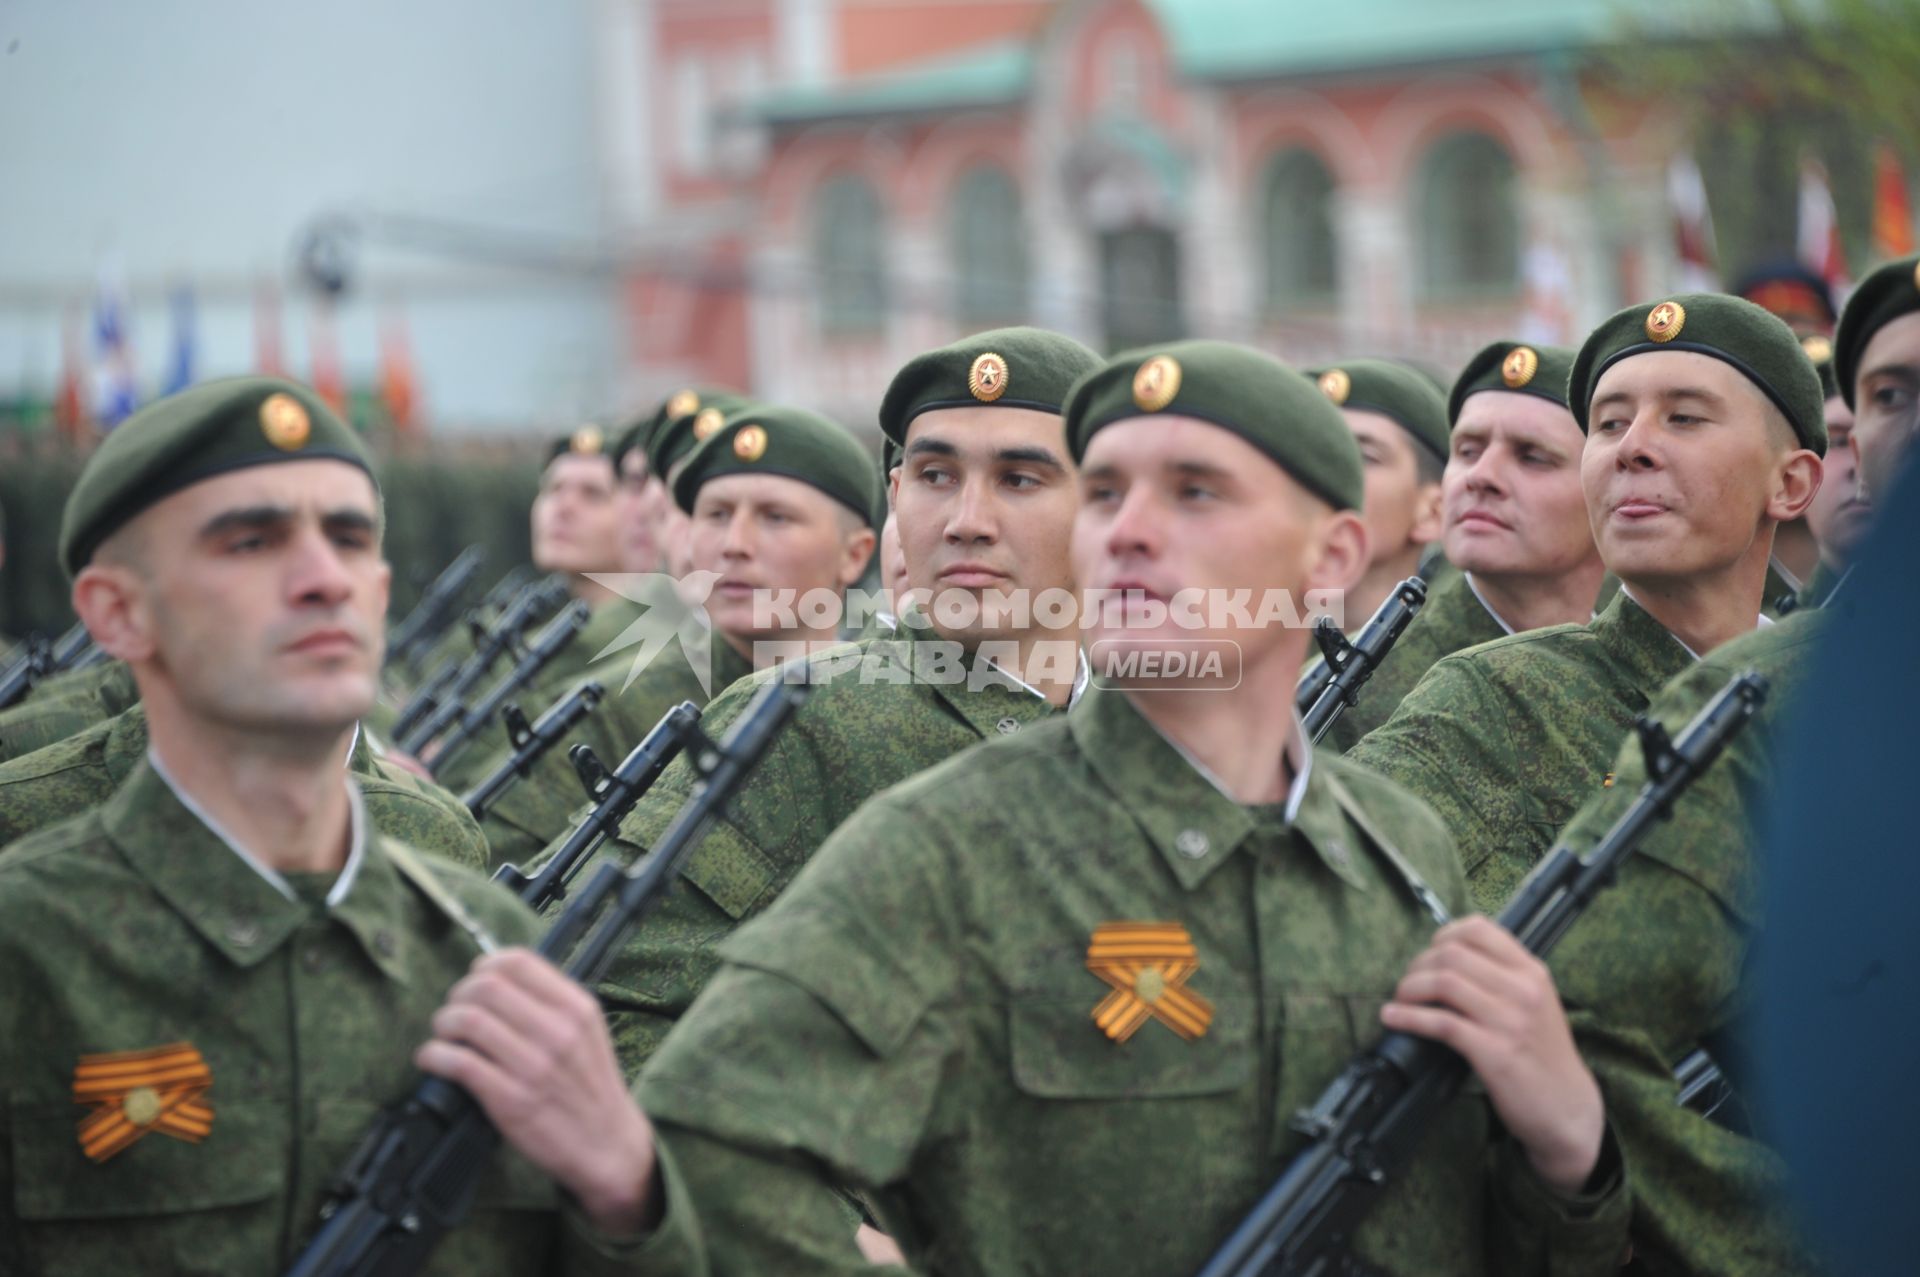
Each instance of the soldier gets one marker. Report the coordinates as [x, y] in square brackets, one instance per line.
[1513, 522]
[213, 978]
[950, 1011]
[1876, 358]
[1704, 431]
[1840, 514]
[1400, 421]
[684, 420]
[985, 500]
[779, 500]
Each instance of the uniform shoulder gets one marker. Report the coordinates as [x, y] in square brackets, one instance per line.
[493, 905]
[1414, 827]
[1005, 771]
[86, 748]
[47, 854]
[1783, 644]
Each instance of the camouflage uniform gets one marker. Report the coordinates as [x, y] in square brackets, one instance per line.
[82, 772]
[1506, 740]
[1813, 594]
[65, 705]
[1706, 1200]
[134, 927]
[541, 807]
[914, 1017]
[859, 733]
[1453, 618]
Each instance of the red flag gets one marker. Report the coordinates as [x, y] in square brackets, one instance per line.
[1892, 214]
[1819, 239]
[324, 343]
[397, 386]
[267, 358]
[1692, 226]
[70, 406]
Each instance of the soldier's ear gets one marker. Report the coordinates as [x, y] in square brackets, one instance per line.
[111, 600]
[1343, 553]
[1794, 484]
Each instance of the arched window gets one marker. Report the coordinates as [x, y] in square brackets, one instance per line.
[1469, 218]
[849, 252]
[989, 249]
[1296, 223]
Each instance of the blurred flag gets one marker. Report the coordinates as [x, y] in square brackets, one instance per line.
[397, 386]
[180, 368]
[267, 357]
[1692, 226]
[1818, 244]
[1549, 298]
[70, 406]
[115, 392]
[1892, 214]
[324, 346]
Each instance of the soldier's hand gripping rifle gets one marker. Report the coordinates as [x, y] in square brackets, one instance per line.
[452, 725]
[529, 743]
[1326, 690]
[1365, 1126]
[415, 1173]
[455, 680]
[436, 609]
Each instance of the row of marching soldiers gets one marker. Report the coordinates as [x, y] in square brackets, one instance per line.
[948, 931]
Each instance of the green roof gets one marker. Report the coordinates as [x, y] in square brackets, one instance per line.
[1262, 39]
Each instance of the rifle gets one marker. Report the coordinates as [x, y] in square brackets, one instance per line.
[1704, 1088]
[413, 1176]
[454, 680]
[1349, 665]
[33, 663]
[1368, 1122]
[74, 650]
[530, 743]
[434, 612]
[462, 725]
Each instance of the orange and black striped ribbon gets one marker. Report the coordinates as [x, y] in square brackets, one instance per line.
[1148, 965]
[134, 1092]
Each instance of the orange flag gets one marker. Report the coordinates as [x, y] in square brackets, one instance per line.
[1892, 214]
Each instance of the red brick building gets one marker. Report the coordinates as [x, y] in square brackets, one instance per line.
[823, 187]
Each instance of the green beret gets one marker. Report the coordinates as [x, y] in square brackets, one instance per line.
[684, 420]
[585, 441]
[1001, 368]
[1890, 292]
[1820, 351]
[1735, 331]
[207, 430]
[1404, 394]
[1252, 394]
[792, 443]
[1515, 366]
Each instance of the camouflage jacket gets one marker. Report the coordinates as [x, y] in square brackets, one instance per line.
[915, 1017]
[80, 773]
[882, 710]
[133, 928]
[1453, 618]
[66, 705]
[1707, 1201]
[543, 806]
[1506, 740]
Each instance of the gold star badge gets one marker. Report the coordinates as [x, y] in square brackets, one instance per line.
[987, 379]
[1156, 383]
[1818, 348]
[1518, 367]
[1336, 385]
[587, 441]
[284, 421]
[709, 420]
[683, 404]
[750, 443]
[1665, 321]
[1147, 964]
[133, 1093]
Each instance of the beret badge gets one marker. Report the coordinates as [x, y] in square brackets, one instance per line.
[1665, 321]
[1156, 383]
[987, 379]
[750, 444]
[683, 404]
[1818, 348]
[1518, 368]
[284, 421]
[587, 440]
[709, 420]
[1336, 385]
